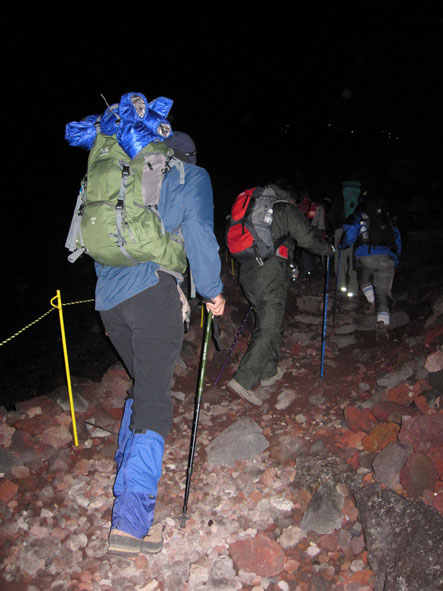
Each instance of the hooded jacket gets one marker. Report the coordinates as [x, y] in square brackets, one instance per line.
[189, 207]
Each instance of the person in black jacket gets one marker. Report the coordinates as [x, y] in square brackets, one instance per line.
[265, 286]
[342, 209]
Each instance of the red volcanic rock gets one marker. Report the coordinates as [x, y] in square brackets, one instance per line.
[8, 490]
[360, 419]
[328, 542]
[379, 438]
[438, 502]
[57, 436]
[116, 388]
[435, 454]
[46, 405]
[401, 393]
[35, 424]
[417, 475]
[422, 432]
[258, 555]
[432, 335]
[30, 450]
[390, 411]
[420, 386]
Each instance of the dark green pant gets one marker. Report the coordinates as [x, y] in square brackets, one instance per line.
[266, 290]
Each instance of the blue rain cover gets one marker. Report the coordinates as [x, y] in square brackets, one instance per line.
[124, 432]
[135, 486]
[134, 121]
[82, 133]
[133, 513]
[109, 120]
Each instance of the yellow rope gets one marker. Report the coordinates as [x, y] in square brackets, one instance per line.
[78, 302]
[22, 330]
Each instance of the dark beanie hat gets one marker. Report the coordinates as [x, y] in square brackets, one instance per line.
[183, 146]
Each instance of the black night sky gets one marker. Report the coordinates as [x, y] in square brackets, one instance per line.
[264, 94]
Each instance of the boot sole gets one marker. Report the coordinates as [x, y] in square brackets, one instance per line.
[153, 542]
[124, 546]
[152, 547]
[245, 396]
[266, 383]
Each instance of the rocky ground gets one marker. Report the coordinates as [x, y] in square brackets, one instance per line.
[334, 483]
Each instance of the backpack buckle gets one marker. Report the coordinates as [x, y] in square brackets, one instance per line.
[126, 170]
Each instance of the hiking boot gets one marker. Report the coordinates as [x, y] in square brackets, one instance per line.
[123, 544]
[381, 332]
[270, 381]
[153, 542]
[247, 395]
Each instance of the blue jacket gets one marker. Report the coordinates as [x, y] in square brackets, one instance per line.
[189, 207]
[351, 232]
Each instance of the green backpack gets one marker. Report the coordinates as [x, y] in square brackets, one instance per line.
[116, 219]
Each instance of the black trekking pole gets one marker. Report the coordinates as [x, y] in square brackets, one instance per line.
[234, 342]
[196, 416]
[325, 313]
[336, 288]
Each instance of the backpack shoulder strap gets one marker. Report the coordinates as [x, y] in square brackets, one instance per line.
[178, 164]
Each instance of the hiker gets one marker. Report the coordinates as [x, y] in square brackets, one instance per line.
[377, 253]
[341, 211]
[141, 312]
[315, 213]
[265, 285]
[140, 309]
[140, 301]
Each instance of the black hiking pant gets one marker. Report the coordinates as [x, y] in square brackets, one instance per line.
[147, 332]
[266, 290]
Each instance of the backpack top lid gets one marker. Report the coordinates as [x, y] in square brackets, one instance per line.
[135, 122]
[351, 191]
[356, 184]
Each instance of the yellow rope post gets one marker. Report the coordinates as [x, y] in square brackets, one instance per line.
[202, 317]
[65, 352]
[232, 266]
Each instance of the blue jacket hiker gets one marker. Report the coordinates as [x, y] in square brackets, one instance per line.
[141, 310]
[141, 303]
[377, 251]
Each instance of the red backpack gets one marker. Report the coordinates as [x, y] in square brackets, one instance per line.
[248, 232]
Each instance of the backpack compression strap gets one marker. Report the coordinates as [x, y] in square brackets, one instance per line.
[120, 211]
[75, 228]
